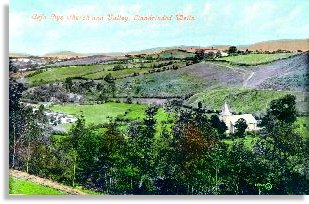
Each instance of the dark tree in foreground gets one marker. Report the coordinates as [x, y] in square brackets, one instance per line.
[16, 119]
[218, 124]
[241, 126]
[282, 109]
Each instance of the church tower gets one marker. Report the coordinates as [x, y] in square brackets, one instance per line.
[225, 111]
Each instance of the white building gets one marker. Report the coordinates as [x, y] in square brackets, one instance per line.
[230, 120]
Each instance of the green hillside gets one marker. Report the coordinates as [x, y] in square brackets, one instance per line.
[239, 100]
[61, 73]
[24, 187]
[255, 59]
[101, 113]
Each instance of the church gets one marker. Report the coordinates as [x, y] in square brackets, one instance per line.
[229, 119]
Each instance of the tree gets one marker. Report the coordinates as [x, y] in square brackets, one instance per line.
[12, 67]
[218, 124]
[109, 78]
[78, 131]
[210, 55]
[240, 170]
[232, 50]
[282, 109]
[16, 120]
[241, 127]
[199, 55]
[36, 133]
[280, 148]
[118, 67]
[68, 83]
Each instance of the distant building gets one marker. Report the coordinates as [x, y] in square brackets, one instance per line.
[223, 54]
[230, 120]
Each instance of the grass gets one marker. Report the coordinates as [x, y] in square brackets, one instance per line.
[117, 74]
[239, 100]
[255, 59]
[303, 126]
[24, 187]
[248, 140]
[100, 113]
[91, 72]
[61, 73]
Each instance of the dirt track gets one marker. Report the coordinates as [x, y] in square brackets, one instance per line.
[45, 182]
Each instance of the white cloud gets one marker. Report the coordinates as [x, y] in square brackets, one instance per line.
[287, 23]
[130, 32]
[207, 10]
[53, 35]
[256, 11]
[19, 23]
[125, 9]
[187, 10]
[135, 8]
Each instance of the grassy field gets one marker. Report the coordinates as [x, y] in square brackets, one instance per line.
[18, 186]
[98, 114]
[239, 100]
[255, 59]
[117, 74]
[93, 71]
[61, 73]
[248, 140]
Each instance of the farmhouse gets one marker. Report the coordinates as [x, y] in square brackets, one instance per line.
[230, 120]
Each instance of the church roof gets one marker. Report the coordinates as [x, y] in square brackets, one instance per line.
[248, 118]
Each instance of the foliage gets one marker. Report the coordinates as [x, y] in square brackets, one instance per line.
[135, 149]
[240, 100]
[232, 50]
[241, 127]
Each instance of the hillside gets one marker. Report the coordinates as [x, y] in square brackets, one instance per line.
[23, 183]
[274, 45]
[255, 59]
[286, 74]
[189, 80]
[241, 100]
[24, 187]
[290, 45]
[18, 55]
[66, 54]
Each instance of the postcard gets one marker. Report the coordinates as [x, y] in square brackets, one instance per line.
[158, 97]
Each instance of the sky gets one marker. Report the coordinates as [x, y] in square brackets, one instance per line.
[220, 22]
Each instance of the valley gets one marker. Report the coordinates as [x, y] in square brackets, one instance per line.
[132, 108]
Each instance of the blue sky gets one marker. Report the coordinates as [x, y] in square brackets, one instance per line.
[217, 22]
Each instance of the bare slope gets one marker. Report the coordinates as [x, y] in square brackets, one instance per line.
[286, 74]
[184, 81]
